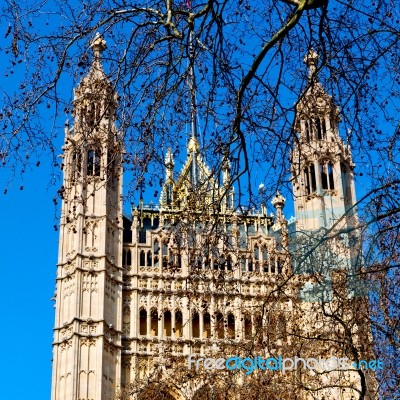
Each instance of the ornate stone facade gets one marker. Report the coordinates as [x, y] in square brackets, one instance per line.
[136, 296]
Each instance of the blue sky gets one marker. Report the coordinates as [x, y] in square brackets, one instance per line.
[29, 256]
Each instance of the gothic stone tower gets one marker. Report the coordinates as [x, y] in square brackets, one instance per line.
[322, 168]
[87, 333]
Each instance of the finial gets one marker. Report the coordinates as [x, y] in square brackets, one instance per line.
[169, 158]
[98, 45]
[278, 201]
[193, 145]
[311, 60]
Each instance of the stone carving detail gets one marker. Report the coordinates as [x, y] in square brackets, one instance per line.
[154, 285]
[91, 232]
[68, 286]
[142, 283]
[89, 282]
[110, 289]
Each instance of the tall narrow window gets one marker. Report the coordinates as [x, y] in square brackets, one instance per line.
[195, 325]
[149, 258]
[229, 263]
[324, 177]
[243, 264]
[143, 322]
[265, 259]
[307, 129]
[231, 326]
[247, 326]
[256, 253]
[346, 185]
[142, 262]
[76, 164]
[330, 175]
[128, 258]
[313, 181]
[178, 324]
[164, 249]
[219, 325]
[93, 163]
[324, 127]
[307, 177]
[167, 323]
[156, 248]
[207, 325]
[250, 265]
[319, 130]
[154, 323]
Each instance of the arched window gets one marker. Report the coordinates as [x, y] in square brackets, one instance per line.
[319, 130]
[279, 263]
[346, 183]
[265, 259]
[307, 129]
[231, 326]
[307, 181]
[207, 325]
[250, 265]
[313, 181]
[124, 258]
[93, 162]
[330, 175]
[164, 249]
[219, 323]
[143, 322]
[167, 323]
[195, 325]
[149, 258]
[258, 325]
[156, 247]
[247, 326]
[324, 177]
[327, 176]
[128, 258]
[323, 128]
[256, 253]
[142, 257]
[243, 264]
[310, 180]
[178, 324]
[76, 164]
[154, 322]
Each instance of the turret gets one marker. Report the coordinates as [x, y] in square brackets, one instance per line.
[322, 176]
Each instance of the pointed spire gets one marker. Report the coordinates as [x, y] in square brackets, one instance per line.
[311, 60]
[193, 145]
[192, 88]
[169, 164]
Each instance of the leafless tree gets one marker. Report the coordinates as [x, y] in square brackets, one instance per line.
[247, 57]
